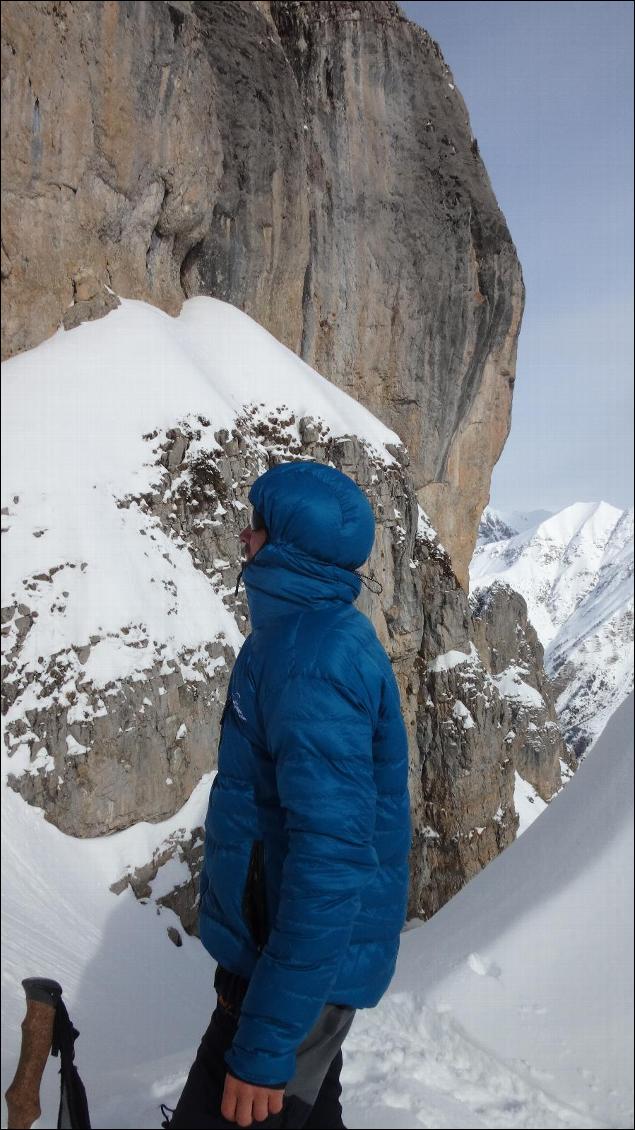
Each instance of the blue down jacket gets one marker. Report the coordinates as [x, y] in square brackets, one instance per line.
[305, 876]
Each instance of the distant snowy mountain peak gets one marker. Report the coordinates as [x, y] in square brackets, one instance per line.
[554, 563]
[575, 571]
[493, 527]
[499, 525]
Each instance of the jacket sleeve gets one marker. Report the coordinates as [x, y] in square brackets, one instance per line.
[320, 737]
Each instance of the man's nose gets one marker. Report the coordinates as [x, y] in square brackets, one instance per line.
[245, 534]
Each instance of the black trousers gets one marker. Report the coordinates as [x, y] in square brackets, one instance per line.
[312, 1097]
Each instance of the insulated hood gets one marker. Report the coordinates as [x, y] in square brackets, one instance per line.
[317, 510]
[320, 529]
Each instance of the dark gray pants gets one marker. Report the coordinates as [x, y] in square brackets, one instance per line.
[311, 1097]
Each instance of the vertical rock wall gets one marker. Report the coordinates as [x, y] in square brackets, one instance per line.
[311, 163]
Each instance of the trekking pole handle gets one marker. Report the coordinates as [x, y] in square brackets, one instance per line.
[23, 1096]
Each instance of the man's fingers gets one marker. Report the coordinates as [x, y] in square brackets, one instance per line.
[261, 1106]
[228, 1105]
[243, 1103]
[276, 1099]
[244, 1109]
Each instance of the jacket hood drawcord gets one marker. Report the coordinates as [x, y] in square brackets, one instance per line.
[372, 580]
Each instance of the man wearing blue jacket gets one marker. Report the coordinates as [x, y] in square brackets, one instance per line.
[304, 885]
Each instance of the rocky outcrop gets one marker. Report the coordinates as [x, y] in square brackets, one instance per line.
[464, 775]
[514, 658]
[186, 850]
[313, 164]
[485, 713]
[99, 760]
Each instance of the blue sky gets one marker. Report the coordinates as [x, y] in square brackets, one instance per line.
[549, 90]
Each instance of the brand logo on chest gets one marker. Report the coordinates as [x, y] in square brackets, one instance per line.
[237, 707]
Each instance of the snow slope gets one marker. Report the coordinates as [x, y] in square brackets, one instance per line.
[515, 1002]
[512, 1007]
[81, 413]
[575, 571]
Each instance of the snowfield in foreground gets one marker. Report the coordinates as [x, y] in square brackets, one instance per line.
[512, 1007]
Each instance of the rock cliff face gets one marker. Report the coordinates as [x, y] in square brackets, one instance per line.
[311, 163]
[514, 658]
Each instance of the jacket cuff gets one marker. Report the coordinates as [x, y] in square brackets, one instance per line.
[254, 1082]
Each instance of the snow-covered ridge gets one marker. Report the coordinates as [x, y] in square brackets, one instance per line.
[101, 584]
[116, 380]
[575, 571]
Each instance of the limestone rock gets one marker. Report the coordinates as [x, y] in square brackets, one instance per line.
[112, 156]
[86, 286]
[514, 657]
[97, 305]
[313, 164]
[186, 849]
[413, 293]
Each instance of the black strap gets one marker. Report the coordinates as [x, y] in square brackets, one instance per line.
[165, 1111]
[73, 1112]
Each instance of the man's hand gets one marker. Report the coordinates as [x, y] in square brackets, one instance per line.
[245, 1103]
